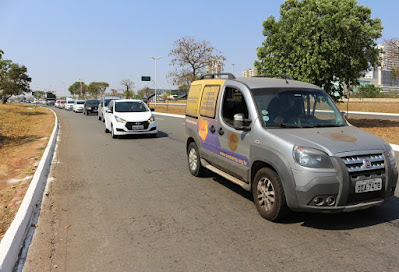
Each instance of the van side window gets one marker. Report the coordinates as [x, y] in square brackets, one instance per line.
[208, 101]
[233, 102]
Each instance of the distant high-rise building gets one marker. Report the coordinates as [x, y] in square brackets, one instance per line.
[250, 72]
[381, 76]
[215, 67]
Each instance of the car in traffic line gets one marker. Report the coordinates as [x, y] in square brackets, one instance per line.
[127, 117]
[69, 104]
[78, 105]
[103, 106]
[287, 143]
[91, 106]
[62, 104]
[57, 104]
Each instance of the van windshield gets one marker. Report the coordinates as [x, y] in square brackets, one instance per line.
[130, 107]
[297, 108]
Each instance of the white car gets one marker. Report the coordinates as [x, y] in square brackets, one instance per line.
[127, 117]
[103, 106]
[69, 104]
[78, 105]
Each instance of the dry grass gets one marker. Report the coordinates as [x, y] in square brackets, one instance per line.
[24, 132]
[388, 107]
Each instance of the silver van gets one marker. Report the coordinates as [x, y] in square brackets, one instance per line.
[287, 143]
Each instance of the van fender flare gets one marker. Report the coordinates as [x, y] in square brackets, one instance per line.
[267, 157]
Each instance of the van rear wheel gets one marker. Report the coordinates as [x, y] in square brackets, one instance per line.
[194, 162]
[268, 194]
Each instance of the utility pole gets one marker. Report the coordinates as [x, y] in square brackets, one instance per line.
[155, 96]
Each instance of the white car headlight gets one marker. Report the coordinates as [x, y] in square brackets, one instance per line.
[311, 157]
[152, 119]
[119, 120]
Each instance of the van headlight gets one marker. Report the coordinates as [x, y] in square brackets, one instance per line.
[119, 120]
[311, 157]
[152, 119]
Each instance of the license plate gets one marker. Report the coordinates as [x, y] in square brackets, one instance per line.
[370, 185]
[137, 127]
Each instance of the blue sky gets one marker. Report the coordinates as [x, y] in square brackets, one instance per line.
[62, 41]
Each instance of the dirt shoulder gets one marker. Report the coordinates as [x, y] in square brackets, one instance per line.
[24, 134]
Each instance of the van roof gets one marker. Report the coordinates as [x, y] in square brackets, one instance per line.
[272, 81]
[261, 82]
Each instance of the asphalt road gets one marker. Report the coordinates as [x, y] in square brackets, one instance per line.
[131, 205]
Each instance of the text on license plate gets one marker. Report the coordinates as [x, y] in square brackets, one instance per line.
[137, 127]
[363, 186]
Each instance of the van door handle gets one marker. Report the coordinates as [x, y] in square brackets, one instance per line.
[221, 131]
[212, 129]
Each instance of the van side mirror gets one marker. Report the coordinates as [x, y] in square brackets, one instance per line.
[240, 123]
[108, 111]
[152, 109]
[344, 114]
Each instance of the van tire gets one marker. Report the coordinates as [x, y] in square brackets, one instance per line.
[194, 161]
[271, 203]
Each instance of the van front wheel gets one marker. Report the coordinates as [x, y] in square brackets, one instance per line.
[268, 194]
[194, 161]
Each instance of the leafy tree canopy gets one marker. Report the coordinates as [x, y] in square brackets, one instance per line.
[78, 89]
[321, 42]
[96, 89]
[13, 79]
[190, 58]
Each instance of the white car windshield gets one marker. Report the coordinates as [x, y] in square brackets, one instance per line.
[297, 108]
[131, 106]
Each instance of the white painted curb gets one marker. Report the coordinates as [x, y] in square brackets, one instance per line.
[394, 146]
[13, 240]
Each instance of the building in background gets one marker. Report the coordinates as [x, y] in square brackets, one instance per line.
[250, 72]
[215, 67]
[382, 76]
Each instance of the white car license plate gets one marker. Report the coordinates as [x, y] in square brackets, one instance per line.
[137, 127]
[370, 185]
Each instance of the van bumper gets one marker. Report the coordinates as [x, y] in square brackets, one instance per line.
[340, 187]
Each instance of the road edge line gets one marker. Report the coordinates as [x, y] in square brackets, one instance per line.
[394, 146]
[12, 242]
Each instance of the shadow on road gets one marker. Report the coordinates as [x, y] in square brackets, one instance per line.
[160, 134]
[387, 212]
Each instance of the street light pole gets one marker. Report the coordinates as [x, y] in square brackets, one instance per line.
[155, 96]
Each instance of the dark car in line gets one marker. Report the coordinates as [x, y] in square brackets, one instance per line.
[91, 106]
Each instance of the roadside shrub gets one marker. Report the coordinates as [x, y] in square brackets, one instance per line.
[370, 91]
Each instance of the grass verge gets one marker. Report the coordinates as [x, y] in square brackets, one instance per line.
[24, 134]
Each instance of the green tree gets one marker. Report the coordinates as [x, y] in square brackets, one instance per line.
[127, 88]
[13, 79]
[39, 94]
[79, 89]
[329, 43]
[97, 89]
[190, 59]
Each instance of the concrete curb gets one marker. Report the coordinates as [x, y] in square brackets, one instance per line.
[394, 146]
[13, 240]
[373, 113]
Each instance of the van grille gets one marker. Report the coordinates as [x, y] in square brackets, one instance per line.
[364, 163]
[364, 167]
